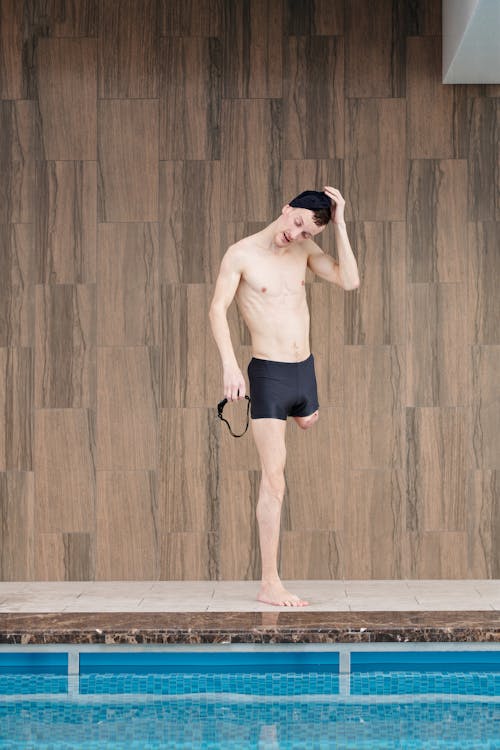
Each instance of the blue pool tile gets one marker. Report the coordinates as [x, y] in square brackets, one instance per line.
[425, 661]
[196, 662]
[33, 662]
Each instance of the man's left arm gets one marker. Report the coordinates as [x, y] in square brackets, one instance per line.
[345, 272]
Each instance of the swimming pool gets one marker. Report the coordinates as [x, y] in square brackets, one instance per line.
[365, 696]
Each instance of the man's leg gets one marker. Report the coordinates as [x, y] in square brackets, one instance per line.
[269, 436]
[306, 422]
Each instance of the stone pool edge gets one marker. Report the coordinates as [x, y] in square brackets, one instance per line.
[249, 627]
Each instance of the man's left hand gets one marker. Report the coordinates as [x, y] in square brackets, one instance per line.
[338, 204]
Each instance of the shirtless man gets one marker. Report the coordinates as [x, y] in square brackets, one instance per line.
[266, 273]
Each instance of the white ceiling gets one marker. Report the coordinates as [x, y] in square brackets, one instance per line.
[471, 41]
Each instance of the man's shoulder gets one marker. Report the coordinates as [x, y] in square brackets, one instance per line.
[240, 250]
[311, 248]
[235, 256]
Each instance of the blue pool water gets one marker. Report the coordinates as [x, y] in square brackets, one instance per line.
[267, 700]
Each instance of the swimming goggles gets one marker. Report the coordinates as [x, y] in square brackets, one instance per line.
[220, 409]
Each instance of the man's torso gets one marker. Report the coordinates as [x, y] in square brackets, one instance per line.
[271, 298]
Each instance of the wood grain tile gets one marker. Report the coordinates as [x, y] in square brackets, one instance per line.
[438, 368]
[436, 469]
[128, 49]
[484, 270]
[17, 161]
[437, 207]
[372, 525]
[190, 230]
[64, 469]
[313, 98]
[431, 106]
[239, 535]
[190, 100]
[313, 174]
[16, 433]
[436, 555]
[484, 136]
[128, 160]
[187, 473]
[308, 487]
[185, 556]
[65, 366]
[483, 520]
[17, 279]
[251, 159]
[189, 359]
[326, 306]
[64, 18]
[191, 18]
[127, 397]
[126, 520]
[463, 98]
[67, 97]
[49, 557]
[12, 78]
[66, 213]
[17, 503]
[78, 556]
[4, 353]
[485, 402]
[423, 18]
[312, 555]
[375, 167]
[253, 32]
[375, 314]
[375, 49]
[128, 293]
[314, 17]
[374, 393]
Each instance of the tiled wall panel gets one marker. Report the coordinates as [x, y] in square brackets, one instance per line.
[66, 214]
[128, 49]
[67, 98]
[376, 165]
[138, 141]
[128, 160]
[190, 102]
[375, 49]
[18, 153]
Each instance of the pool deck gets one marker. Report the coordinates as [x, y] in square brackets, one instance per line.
[227, 612]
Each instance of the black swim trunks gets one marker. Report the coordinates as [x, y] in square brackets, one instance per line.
[282, 389]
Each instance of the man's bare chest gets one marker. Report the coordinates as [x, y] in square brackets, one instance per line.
[275, 277]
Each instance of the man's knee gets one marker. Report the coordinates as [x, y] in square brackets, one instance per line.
[306, 422]
[274, 482]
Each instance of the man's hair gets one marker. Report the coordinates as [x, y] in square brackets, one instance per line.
[322, 216]
[316, 201]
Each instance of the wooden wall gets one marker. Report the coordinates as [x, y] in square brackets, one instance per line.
[139, 139]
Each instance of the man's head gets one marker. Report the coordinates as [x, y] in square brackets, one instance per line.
[303, 218]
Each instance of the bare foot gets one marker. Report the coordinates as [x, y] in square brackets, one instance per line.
[276, 593]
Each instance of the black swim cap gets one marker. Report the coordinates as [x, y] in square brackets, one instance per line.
[314, 200]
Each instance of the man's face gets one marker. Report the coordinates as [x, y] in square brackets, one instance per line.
[296, 225]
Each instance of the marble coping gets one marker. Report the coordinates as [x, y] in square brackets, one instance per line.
[250, 627]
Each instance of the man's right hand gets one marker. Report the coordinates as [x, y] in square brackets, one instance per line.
[234, 384]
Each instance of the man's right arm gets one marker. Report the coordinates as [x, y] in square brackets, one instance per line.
[225, 289]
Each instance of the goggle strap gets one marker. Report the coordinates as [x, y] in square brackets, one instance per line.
[220, 409]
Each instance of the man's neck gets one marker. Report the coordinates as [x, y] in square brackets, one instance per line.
[266, 239]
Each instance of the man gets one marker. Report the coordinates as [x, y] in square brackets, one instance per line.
[266, 273]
